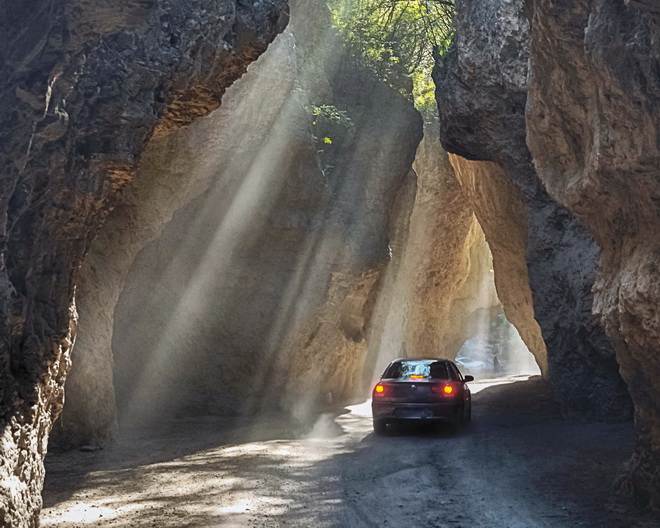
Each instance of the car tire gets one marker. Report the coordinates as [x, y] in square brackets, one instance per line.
[380, 426]
[465, 415]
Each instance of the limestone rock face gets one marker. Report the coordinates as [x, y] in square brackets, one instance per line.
[438, 286]
[482, 91]
[258, 293]
[593, 114]
[366, 172]
[82, 87]
[447, 259]
[500, 210]
[175, 170]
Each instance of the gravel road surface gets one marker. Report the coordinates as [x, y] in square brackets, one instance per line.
[517, 465]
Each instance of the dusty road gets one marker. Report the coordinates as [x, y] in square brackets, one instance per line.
[517, 465]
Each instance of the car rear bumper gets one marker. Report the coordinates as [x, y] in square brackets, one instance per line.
[444, 411]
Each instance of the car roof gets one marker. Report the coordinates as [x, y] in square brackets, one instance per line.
[423, 359]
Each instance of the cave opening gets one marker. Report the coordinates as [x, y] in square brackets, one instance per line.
[497, 350]
[249, 269]
[243, 272]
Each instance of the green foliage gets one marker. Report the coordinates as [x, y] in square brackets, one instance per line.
[327, 121]
[396, 39]
[328, 114]
[424, 93]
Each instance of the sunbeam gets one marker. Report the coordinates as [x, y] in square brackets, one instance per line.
[258, 293]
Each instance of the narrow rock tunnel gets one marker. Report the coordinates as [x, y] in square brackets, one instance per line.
[217, 282]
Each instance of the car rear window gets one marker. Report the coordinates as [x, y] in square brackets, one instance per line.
[424, 368]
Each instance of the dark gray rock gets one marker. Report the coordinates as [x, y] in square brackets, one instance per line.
[481, 92]
[83, 86]
[593, 121]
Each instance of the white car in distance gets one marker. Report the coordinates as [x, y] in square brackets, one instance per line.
[470, 365]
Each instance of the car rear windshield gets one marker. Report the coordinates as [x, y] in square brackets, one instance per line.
[422, 368]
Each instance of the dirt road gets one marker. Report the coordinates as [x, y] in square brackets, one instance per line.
[517, 465]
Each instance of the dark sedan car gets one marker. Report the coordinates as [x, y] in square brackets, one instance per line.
[421, 389]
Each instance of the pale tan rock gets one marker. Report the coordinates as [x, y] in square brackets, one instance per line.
[438, 290]
[499, 208]
[258, 294]
[446, 259]
[174, 171]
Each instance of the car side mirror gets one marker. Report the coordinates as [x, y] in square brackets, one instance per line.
[469, 378]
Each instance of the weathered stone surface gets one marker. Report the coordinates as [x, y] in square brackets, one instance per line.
[82, 87]
[500, 210]
[438, 287]
[193, 297]
[447, 259]
[482, 90]
[367, 172]
[592, 129]
[258, 293]
[174, 171]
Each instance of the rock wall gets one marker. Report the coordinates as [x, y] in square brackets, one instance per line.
[500, 210]
[592, 118]
[447, 259]
[438, 288]
[367, 172]
[257, 294]
[83, 87]
[482, 92]
[175, 170]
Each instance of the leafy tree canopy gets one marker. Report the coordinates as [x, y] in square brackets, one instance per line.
[396, 39]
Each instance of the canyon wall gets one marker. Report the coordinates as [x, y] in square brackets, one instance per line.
[592, 127]
[499, 208]
[175, 170]
[438, 289]
[256, 295]
[482, 92]
[82, 89]
[447, 260]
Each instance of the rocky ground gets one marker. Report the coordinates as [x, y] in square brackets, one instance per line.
[517, 465]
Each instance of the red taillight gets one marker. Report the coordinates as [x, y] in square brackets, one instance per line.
[382, 390]
[445, 389]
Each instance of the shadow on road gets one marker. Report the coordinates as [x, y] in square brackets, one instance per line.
[517, 465]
